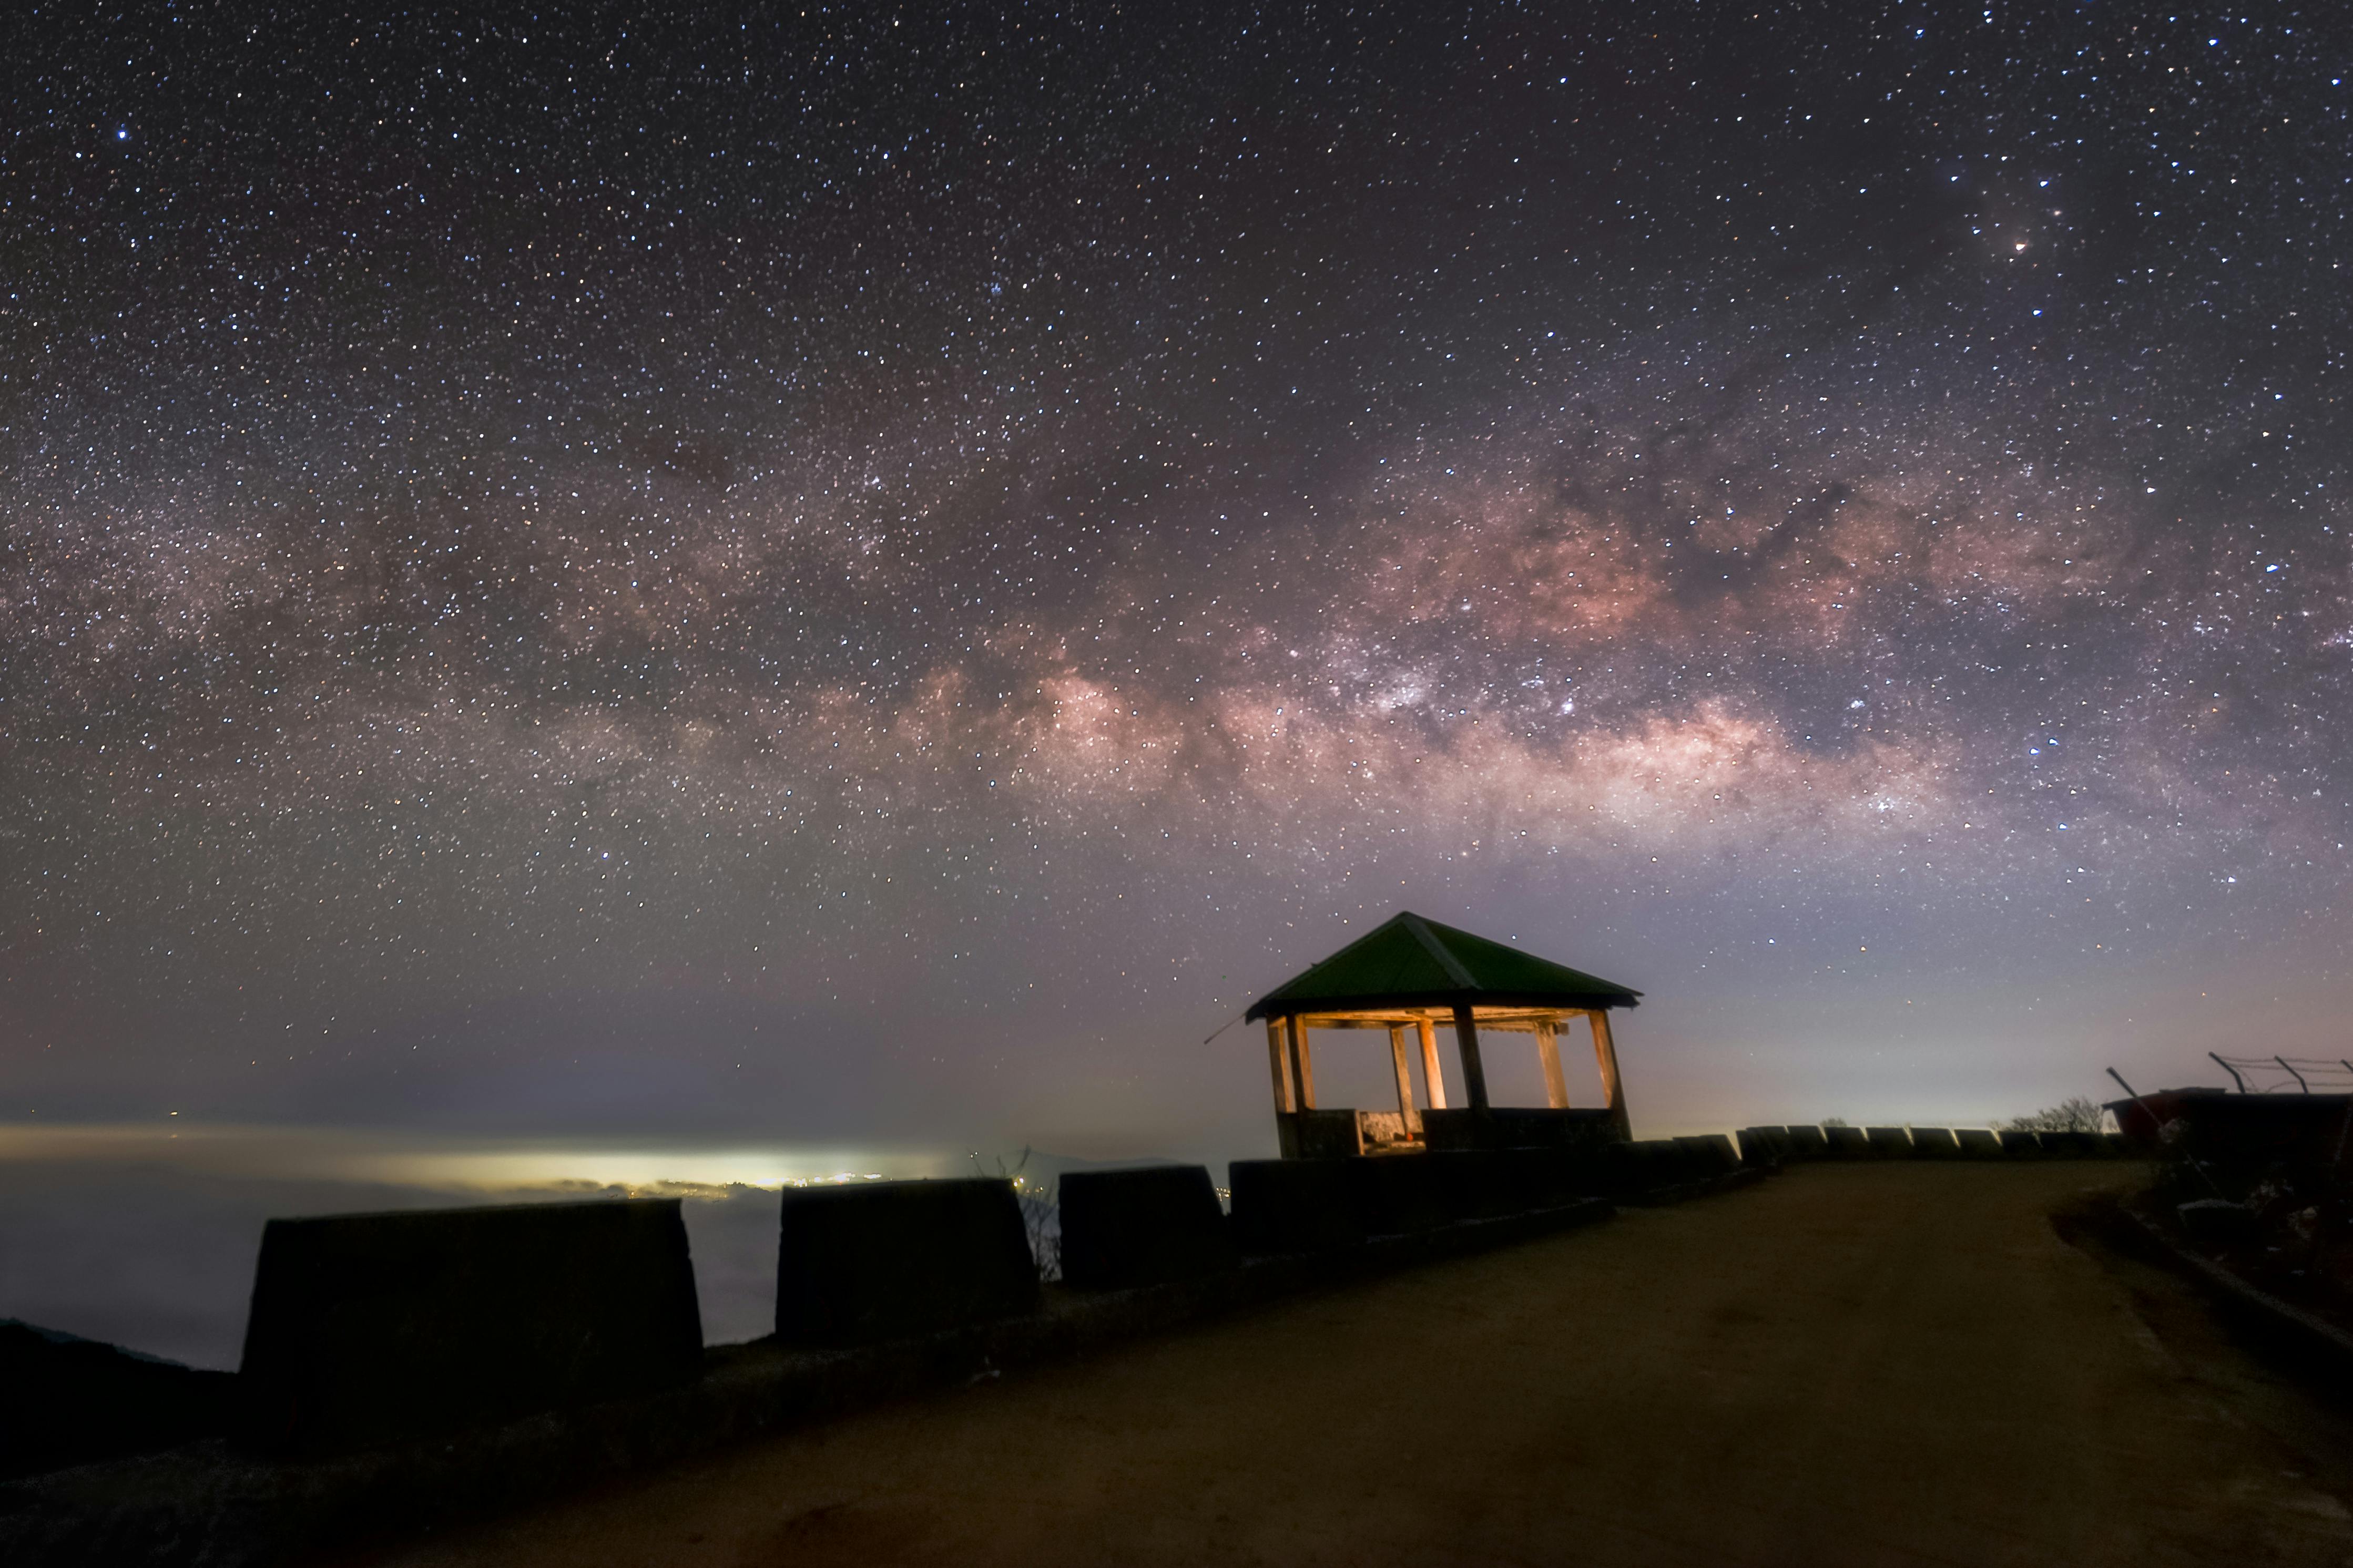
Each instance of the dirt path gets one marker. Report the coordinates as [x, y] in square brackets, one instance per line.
[1871, 1366]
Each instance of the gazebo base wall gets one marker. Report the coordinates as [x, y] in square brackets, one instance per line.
[1518, 1127]
[1333, 1134]
[1340, 1133]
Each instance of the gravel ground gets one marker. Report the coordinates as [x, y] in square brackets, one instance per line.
[1876, 1364]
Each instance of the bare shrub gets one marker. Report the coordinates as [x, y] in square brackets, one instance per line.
[2073, 1115]
[1042, 1210]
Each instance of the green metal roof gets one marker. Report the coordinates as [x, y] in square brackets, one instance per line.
[1409, 962]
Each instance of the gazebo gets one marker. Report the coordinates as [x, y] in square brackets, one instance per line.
[1414, 974]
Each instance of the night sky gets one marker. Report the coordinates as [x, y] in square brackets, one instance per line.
[871, 572]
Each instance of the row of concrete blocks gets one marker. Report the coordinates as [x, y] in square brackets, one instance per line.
[373, 1329]
[1808, 1143]
[1304, 1206]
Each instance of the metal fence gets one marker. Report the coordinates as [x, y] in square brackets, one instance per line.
[2287, 1075]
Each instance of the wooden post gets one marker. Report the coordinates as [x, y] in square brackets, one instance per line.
[1282, 1102]
[1605, 1055]
[1474, 1072]
[1548, 1053]
[1302, 1067]
[1404, 1082]
[1432, 1080]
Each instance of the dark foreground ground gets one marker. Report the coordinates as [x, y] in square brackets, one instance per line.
[1879, 1364]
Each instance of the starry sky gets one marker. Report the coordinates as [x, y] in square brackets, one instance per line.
[870, 571]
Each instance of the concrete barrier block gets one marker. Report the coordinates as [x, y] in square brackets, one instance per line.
[375, 1329]
[1807, 1141]
[1126, 1228]
[1475, 1185]
[882, 1260]
[1977, 1143]
[1650, 1163]
[1845, 1143]
[1645, 1166]
[1671, 1165]
[2021, 1145]
[71, 1400]
[1623, 1169]
[2070, 1145]
[1396, 1195]
[1935, 1143]
[1542, 1178]
[1766, 1146]
[1710, 1153]
[1589, 1172]
[1888, 1142]
[1294, 1205]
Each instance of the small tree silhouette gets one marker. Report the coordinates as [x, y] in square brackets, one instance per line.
[1042, 1210]
[2076, 1114]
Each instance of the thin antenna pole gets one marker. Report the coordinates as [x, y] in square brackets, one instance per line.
[1223, 1027]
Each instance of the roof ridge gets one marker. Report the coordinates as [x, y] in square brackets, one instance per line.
[1436, 950]
[1410, 960]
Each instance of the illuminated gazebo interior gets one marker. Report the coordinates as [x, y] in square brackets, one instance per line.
[1412, 975]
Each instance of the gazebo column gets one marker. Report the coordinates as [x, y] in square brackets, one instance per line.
[1431, 1079]
[1474, 1072]
[1605, 1055]
[1284, 1101]
[1404, 1080]
[1548, 1053]
[1303, 1068]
